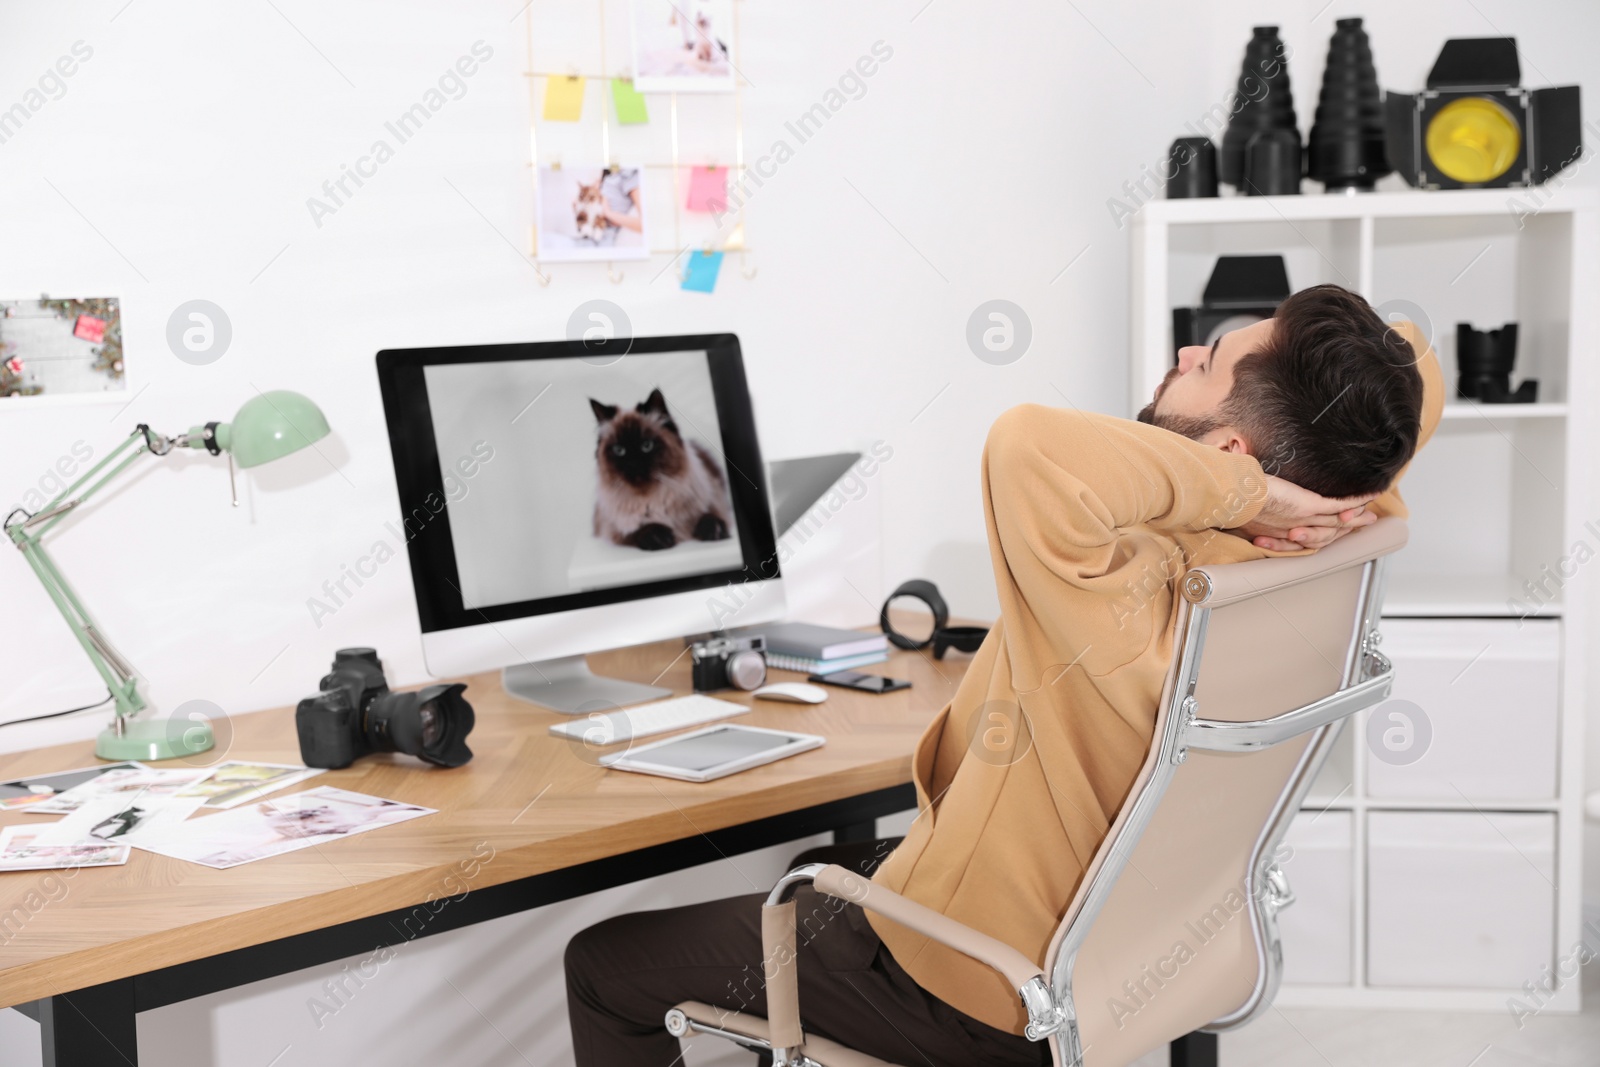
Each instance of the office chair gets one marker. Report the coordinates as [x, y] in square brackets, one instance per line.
[1271, 657]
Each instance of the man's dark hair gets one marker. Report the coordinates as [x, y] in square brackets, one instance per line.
[1333, 400]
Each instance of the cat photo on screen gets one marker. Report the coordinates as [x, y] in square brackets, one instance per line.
[624, 465]
[655, 488]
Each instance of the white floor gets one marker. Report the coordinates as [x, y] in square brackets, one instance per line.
[1303, 1037]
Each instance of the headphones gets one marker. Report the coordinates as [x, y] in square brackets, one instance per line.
[943, 637]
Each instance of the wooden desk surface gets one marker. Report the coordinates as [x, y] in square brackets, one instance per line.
[538, 802]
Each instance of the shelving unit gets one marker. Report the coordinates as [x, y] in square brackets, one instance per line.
[1450, 881]
[1470, 409]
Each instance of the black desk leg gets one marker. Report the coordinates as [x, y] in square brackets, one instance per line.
[1194, 1050]
[861, 831]
[91, 1027]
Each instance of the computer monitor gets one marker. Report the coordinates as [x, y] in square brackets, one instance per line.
[568, 497]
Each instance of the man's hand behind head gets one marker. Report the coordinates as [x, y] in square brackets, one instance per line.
[1294, 518]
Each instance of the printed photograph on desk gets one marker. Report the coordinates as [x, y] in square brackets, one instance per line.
[683, 46]
[236, 782]
[51, 347]
[589, 214]
[21, 850]
[273, 827]
[25, 792]
[143, 782]
[118, 820]
[602, 475]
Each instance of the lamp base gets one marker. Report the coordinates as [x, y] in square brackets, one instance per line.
[153, 739]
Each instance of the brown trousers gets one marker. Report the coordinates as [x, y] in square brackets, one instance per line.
[623, 975]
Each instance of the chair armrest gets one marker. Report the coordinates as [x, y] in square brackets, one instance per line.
[780, 968]
[842, 882]
[1045, 1016]
[1218, 735]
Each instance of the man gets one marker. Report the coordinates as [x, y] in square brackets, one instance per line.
[1091, 520]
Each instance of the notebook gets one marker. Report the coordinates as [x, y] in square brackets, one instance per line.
[807, 640]
[824, 666]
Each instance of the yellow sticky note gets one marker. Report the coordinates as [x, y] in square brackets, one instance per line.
[563, 98]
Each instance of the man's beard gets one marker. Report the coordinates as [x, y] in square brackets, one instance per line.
[1194, 427]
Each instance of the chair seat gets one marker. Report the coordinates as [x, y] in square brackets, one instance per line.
[824, 1052]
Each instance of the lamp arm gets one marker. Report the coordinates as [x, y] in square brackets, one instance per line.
[65, 501]
[28, 535]
[112, 668]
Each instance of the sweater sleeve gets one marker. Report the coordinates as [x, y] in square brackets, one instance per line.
[1078, 504]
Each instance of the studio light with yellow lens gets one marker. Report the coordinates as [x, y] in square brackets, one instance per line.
[1474, 126]
[1473, 140]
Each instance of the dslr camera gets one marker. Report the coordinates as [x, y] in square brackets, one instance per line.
[355, 713]
[728, 663]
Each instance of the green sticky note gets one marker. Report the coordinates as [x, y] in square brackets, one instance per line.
[563, 98]
[630, 103]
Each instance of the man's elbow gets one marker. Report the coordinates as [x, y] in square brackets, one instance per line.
[1018, 430]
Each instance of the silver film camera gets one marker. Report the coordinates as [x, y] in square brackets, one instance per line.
[729, 663]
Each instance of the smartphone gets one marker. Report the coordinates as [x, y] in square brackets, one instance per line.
[871, 683]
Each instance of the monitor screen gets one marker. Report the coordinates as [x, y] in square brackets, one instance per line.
[540, 478]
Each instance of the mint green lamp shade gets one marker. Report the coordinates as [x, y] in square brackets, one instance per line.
[270, 426]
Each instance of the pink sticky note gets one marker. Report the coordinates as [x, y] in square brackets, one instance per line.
[708, 189]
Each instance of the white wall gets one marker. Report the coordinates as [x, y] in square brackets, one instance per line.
[178, 164]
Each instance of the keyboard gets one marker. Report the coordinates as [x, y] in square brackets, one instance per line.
[645, 720]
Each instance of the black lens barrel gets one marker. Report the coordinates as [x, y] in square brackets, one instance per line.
[430, 723]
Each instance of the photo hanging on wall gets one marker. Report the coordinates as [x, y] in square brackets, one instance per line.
[683, 46]
[591, 214]
[61, 347]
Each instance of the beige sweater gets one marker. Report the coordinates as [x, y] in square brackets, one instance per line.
[1092, 519]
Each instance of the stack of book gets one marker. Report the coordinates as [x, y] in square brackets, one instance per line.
[813, 649]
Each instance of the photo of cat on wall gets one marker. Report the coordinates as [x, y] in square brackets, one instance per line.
[591, 213]
[589, 216]
[655, 488]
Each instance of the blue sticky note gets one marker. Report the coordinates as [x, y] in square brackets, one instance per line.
[700, 276]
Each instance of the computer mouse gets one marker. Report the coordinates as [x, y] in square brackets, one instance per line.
[793, 692]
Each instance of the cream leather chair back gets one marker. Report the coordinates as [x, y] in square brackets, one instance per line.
[1173, 928]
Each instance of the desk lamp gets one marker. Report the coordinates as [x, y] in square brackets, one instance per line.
[269, 426]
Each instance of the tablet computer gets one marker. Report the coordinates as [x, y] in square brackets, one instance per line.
[713, 752]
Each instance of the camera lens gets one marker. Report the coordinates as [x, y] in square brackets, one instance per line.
[747, 670]
[431, 724]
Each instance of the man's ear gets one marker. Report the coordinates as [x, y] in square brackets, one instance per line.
[1229, 439]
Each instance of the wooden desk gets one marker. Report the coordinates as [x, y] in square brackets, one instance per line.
[530, 821]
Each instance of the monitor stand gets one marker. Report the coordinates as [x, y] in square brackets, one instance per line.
[568, 686]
